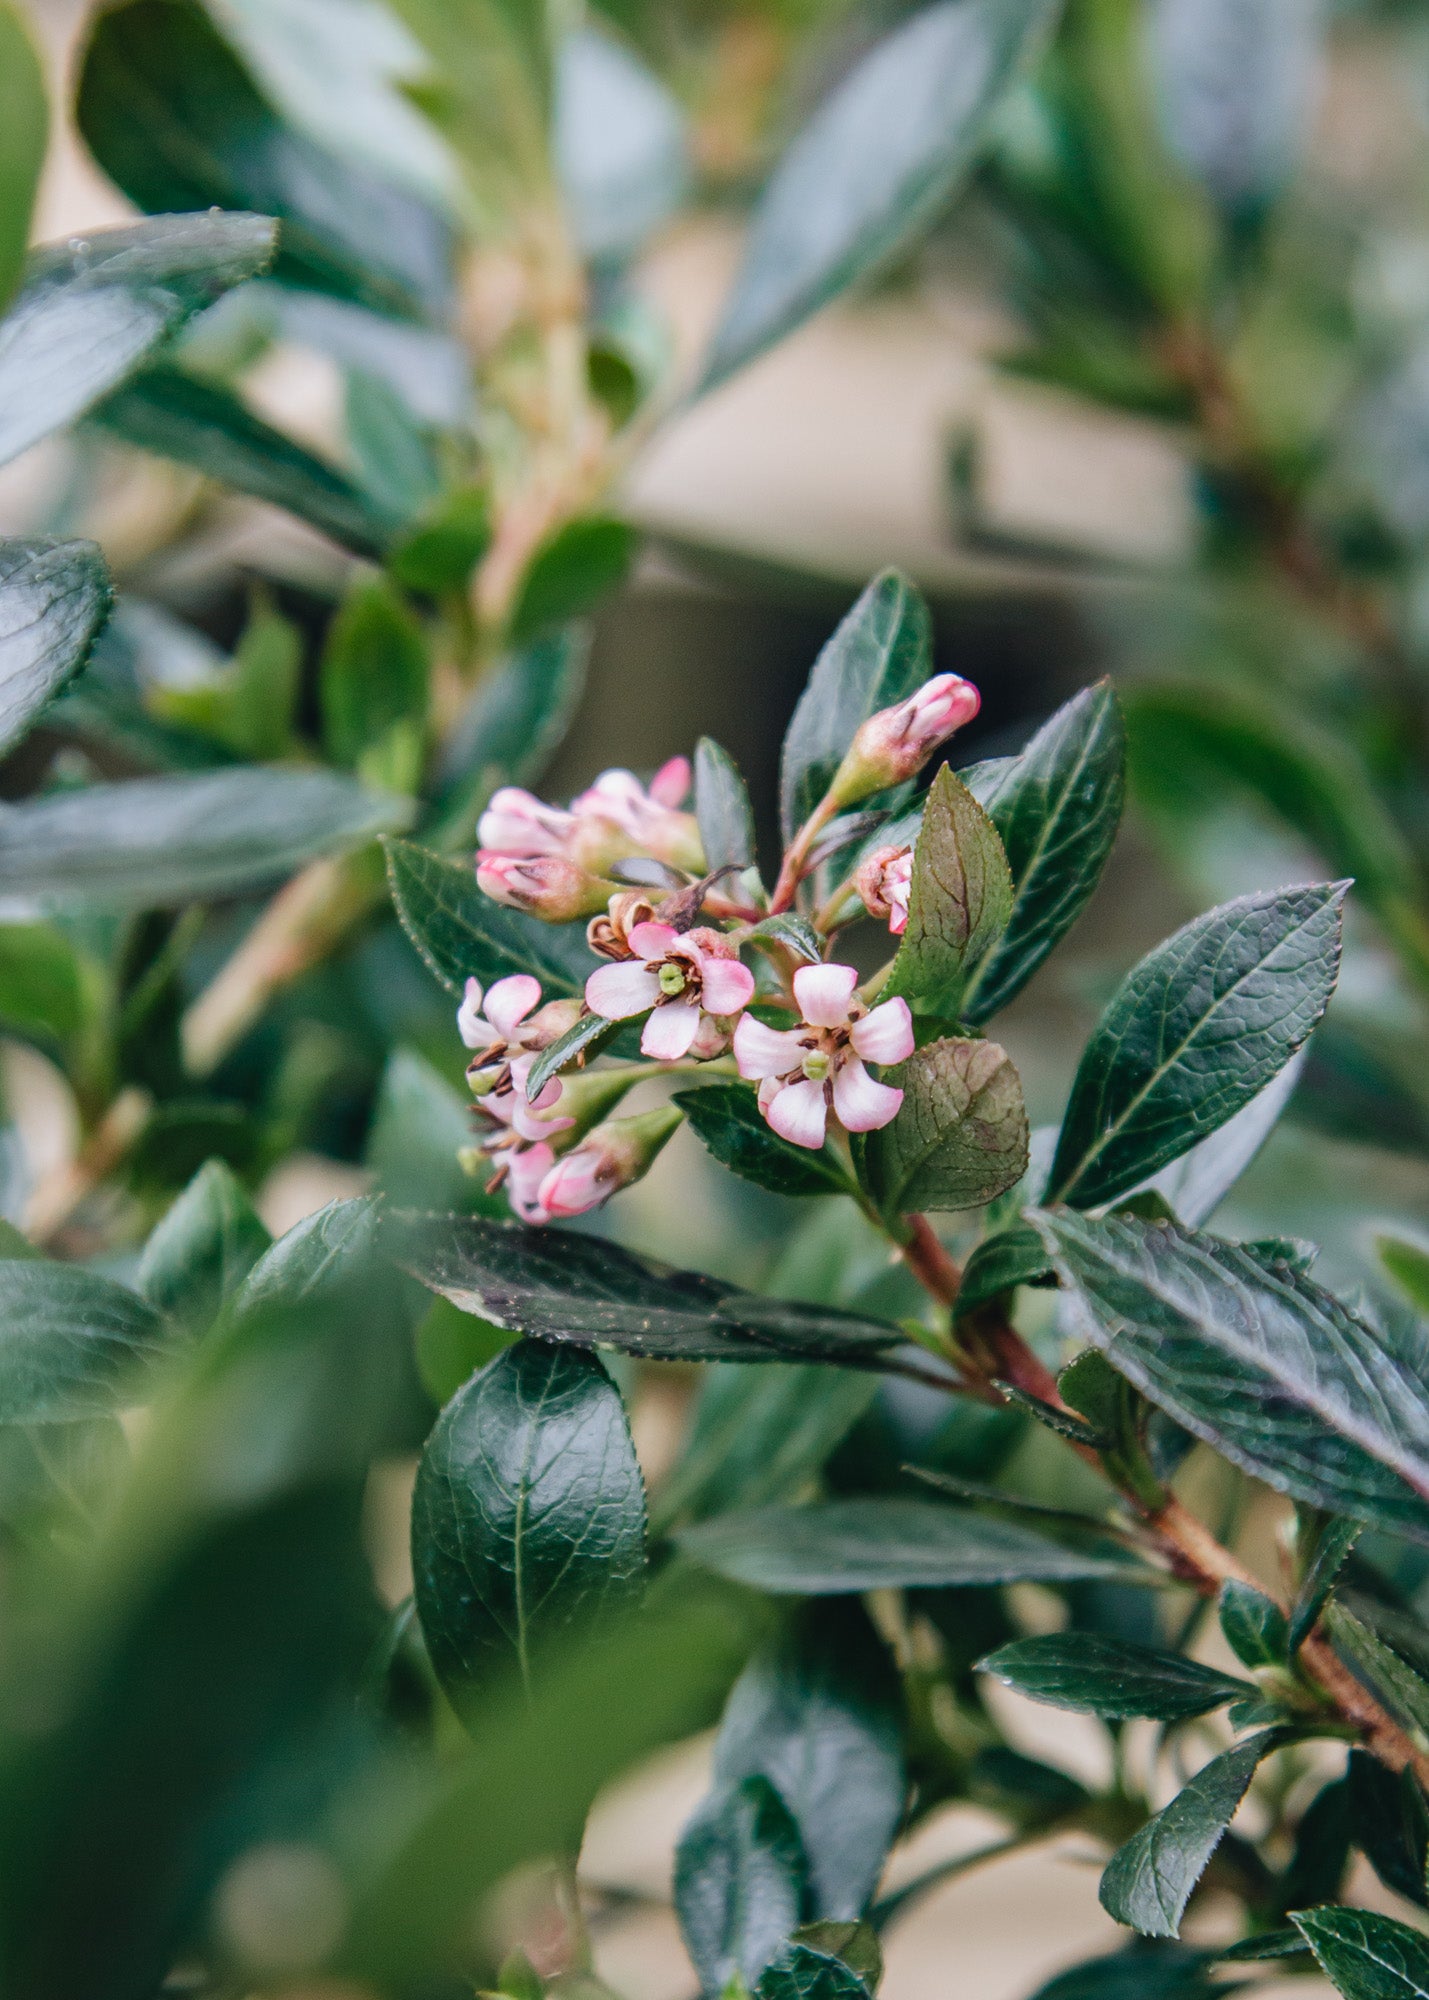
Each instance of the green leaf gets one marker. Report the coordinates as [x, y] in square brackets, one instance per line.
[323, 1250]
[1367, 1956]
[725, 1117]
[155, 842]
[1142, 1973]
[1254, 1625]
[876, 1544]
[461, 934]
[856, 1944]
[72, 1343]
[820, 1715]
[1330, 1541]
[875, 166]
[1111, 1678]
[513, 725]
[880, 654]
[1148, 1881]
[24, 135]
[249, 705]
[1261, 1364]
[46, 988]
[1195, 1185]
[374, 671]
[528, 1519]
[565, 1287]
[395, 459]
[1388, 1820]
[206, 427]
[722, 808]
[790, 932]
[587, 1038]
[92, 312]
[1197, 1030]
[1057, 808]
[203, 1250]
[739, 1883]
[801, 1972]
[55, 599]
[1404, 1692]
[620, 146]
[961, 1136]
[420, 1125]
[582, 563]
[1408, 1264]
[959, 902]
[1015, 1256]
[174, 119]
[437, 554]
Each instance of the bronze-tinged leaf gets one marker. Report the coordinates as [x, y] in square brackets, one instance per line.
[961, 1137]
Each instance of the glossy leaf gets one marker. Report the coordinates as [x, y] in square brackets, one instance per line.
[959, 901]
[1254, 1626]
[1057, 808]
[92, 312]
[739, 1882]
[820, 1715]
[1197, 1030]
[875, 1544]
[160, 841]
[24, 134]
[564, 1287]
[528, 1519]
[722, 807]
[72, 1343]
[1197, 1183]
[727, 1120]
[1015, 1256]
[203, 1250]
[54, 599]
[1388, 1820]
[1262, 1364]
[462, 934]
[1148, 1881]
[961, 1136]
[800, 1972]
[874, 166]
[1366, 1955]
[880, 653]
[1402, 1690]
[1111, 1678]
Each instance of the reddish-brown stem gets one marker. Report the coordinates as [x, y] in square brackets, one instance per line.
[796, 860]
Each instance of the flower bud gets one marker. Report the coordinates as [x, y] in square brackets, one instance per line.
[516, 822]
[609, 934]
[545, 885]
[884, 881]
[897, 742]
[610, 1158]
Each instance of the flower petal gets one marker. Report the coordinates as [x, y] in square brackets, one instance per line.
[653, 940]
[527, 1169]
[763, 1051]
[511, 1000]
[861, 1104]
[824, 992]
[799, 1114]
[670, 785]
[728, 985]
[671, 1030]
[576, 1184]
[475, 1032]
[525, 1122]
[886, 1034]
[618, 991]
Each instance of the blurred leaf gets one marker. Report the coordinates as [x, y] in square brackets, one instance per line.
[561, 1286]
[856, 1944]
[1057, 808]
[959, 901]
[249, 705]
[203, 1250]
[961, 1135]
[72, 1344]
[620, 146]
[24, 135]
[396, 463]
[1111, 1678]
[437, 553]
[581, 563]
[326, 1249]
[880, 654]
[92, 312]
[1195, 1032]
[1254, 1625]
[723, 809]
[820, 1715]
[1365, 1955]
[44, 990]
[739, 1882]
[512, 726]
[207, 428]
[837, 1546]
[374, 670]
[875, 165]
[451, 1346]
[1141, 1973]
[1408, 1264]
[174, 119]
[1265, 1366]
[461, 934]
[1389, 1823]
[418, 1128]
[159, 841]
[727, 1120]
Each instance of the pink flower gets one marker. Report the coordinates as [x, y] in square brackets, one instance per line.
[548, 886]
[803, 1071]
[607, 1159]
[625, 819]
[517, 822]
[884, 881]
[691, 982]
[897, 742]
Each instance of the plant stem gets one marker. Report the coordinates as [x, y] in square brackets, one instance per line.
[791, 874]
[59, 1194]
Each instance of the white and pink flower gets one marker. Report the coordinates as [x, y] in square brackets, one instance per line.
[616, 819]
[897, 742]
[691, 984]
[805, 1072]
[885, 881]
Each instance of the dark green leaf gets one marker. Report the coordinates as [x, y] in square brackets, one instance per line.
[582, 563]
[1148, 1881]
[394, 455]
[1264, 1366]
[855, 1943]
[374, 671]
[24, 132]
[92, 312]
[71, 1344]
[207, 428]
[1254, 1625]
[528, 1519]
[325, 1249]
[739, 1882]
[1015, 1256]
[855, 1545]
[961, 1136]
[420, 1125]
[44, 987]
[564, 1287]
[1403, 1691]
[1057, 808]
[1195, 1185]
[960, 900]
[587, 1038]
[1111, 1677]
[1157, 1972]
[514, 724]
[722, 807]
[1367, 1956]
[174, 119]
[802, 1972]
[1389, 1823]
[462, 934]
[437, 553]
[202, 1251]
[874, 166]
[820, 1715]
[1197, 1030]
[790, 932]
[1331, 1540]
[160, 841]
[725, 1117]
[881, 652]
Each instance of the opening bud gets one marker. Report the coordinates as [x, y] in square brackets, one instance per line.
[611, 1157]
[897, 742]
[545, 885]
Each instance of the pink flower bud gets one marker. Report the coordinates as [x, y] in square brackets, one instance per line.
[884, 881]
[545, 885]
[897, 742]
[609, 1158]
